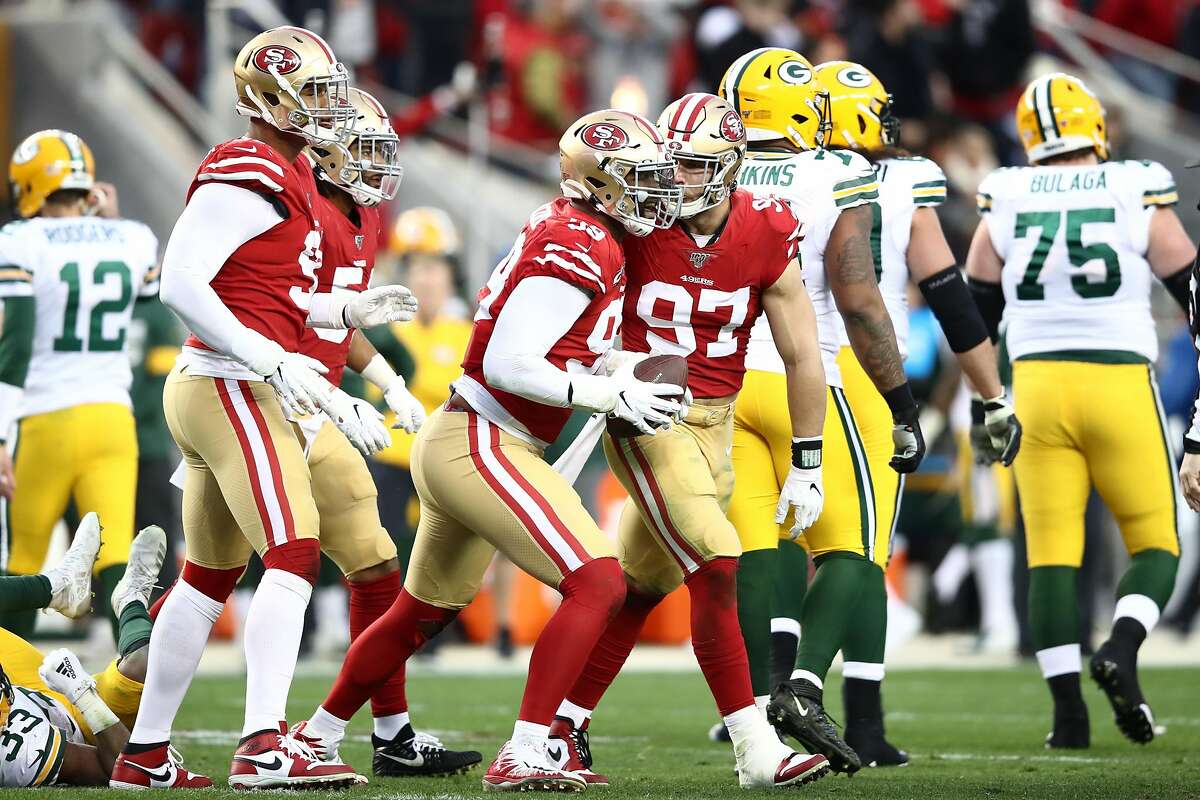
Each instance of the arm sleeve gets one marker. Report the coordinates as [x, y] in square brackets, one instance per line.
[16, 349]
[538, 313]
[217, 220]
[150, 278]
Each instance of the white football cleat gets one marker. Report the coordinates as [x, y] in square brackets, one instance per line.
[274, 759]
[71, 579]
[769, 763]
[522, 765]
[146, 556]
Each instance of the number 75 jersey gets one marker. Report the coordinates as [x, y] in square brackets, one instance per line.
[1073, 240]
[84, 275]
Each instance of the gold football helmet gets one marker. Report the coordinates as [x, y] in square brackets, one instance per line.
[46, 162]
[289, 78]
[367, 164]
[1058, 114]
[778, 97]
[860, 109]
[703, 128]
[618, 162]
[427, 231]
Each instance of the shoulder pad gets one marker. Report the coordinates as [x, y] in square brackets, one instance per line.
[1155, 182]
[245, 161]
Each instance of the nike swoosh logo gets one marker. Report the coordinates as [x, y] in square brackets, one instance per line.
[162, 777]
[556, 754]
[408, 762]
[801, 710]
[275, 763]
[246, 148]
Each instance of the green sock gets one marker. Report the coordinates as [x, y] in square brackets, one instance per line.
[829, 609]
[754, 593]
[1053, 608]
[1152, 573]
[865, 639]
[108, 578]
[133, 629]
[24, 592]
[791, 584]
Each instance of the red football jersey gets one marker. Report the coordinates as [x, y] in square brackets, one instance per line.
[568, 244]
[347, 259]
[267, 281]
[700, 302]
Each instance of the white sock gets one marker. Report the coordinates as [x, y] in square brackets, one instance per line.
[1139, 607]
[326, 725]
[992, 565]
[785, 625]
[577, 714]
[176, 645]
[760, 702]
[862, 670]
[744, 725]
[1060, 660]
[272, 638]
[811, 677]
[530, 729]
[389, 726]
[951, 572]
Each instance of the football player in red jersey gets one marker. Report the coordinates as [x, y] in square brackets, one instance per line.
[239, 271]
[353, 177]
[543, 333]
[695, 289]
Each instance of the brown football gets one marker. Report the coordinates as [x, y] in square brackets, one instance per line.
[655, 369]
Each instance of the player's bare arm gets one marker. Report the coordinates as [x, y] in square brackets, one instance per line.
[851, 273]
[364, 359]
[794, 327]
[1171, 253]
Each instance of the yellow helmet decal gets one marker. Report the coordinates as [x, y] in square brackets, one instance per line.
[46, 162]
[860, 107]
[1056, 114]
[776, 93]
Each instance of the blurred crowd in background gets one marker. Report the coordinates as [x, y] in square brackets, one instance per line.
[529, 67]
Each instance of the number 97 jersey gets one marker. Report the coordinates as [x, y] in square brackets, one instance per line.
[1073, 240]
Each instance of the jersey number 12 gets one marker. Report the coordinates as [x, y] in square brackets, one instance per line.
[69, 341]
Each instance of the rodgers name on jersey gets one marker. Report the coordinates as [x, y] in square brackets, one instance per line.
[560, 242]
[819, 185]
[1073, 240]
[699, 300]
[905, 184]
[84, 274]
[32, 741]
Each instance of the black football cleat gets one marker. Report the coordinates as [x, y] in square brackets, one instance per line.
[795, 708]
[418, 754]
[1072, 730]
[1117, 677]
[873, 749]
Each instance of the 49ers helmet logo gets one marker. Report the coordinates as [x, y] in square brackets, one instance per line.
[604, 136]
[731, 127]
[283, 59]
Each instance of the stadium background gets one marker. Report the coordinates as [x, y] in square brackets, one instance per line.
[479, 92]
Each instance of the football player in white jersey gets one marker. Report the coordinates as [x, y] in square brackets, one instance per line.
[907, 243]
[785, 114]
[70, 273]
[1066, 251]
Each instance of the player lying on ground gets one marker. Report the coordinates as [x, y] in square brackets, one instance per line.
[61, 725]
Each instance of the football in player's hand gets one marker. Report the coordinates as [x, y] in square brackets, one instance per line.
[655, 369]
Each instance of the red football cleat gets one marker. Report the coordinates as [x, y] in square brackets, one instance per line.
[569, 750]
[160, 768]
[275, 759]
[522, 765]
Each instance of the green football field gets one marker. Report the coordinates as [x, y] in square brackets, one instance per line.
[971, 734]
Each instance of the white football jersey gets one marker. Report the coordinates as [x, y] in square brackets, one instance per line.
[905, 184]
[819, 185]
[1073, 240]
[33, 741]
[84, 274]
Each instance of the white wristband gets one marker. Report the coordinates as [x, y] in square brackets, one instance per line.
[594, 393]
[326, 310]
[379, 372]
[97, 715]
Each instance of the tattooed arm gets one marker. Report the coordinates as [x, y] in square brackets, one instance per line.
[850, 270]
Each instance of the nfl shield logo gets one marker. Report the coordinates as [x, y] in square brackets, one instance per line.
[699, 259]
[358, 241]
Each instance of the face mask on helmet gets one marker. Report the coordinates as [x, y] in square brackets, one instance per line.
[367, 168]
[705, 180]
[651, 199]
[324, 113]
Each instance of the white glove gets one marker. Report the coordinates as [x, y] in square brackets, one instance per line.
[380, 306]
[686, 406]
[360, 421]
[63, 673]
[623, 361]
[410, 414]
[644, 405]
[298, 382]
[802, 493]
